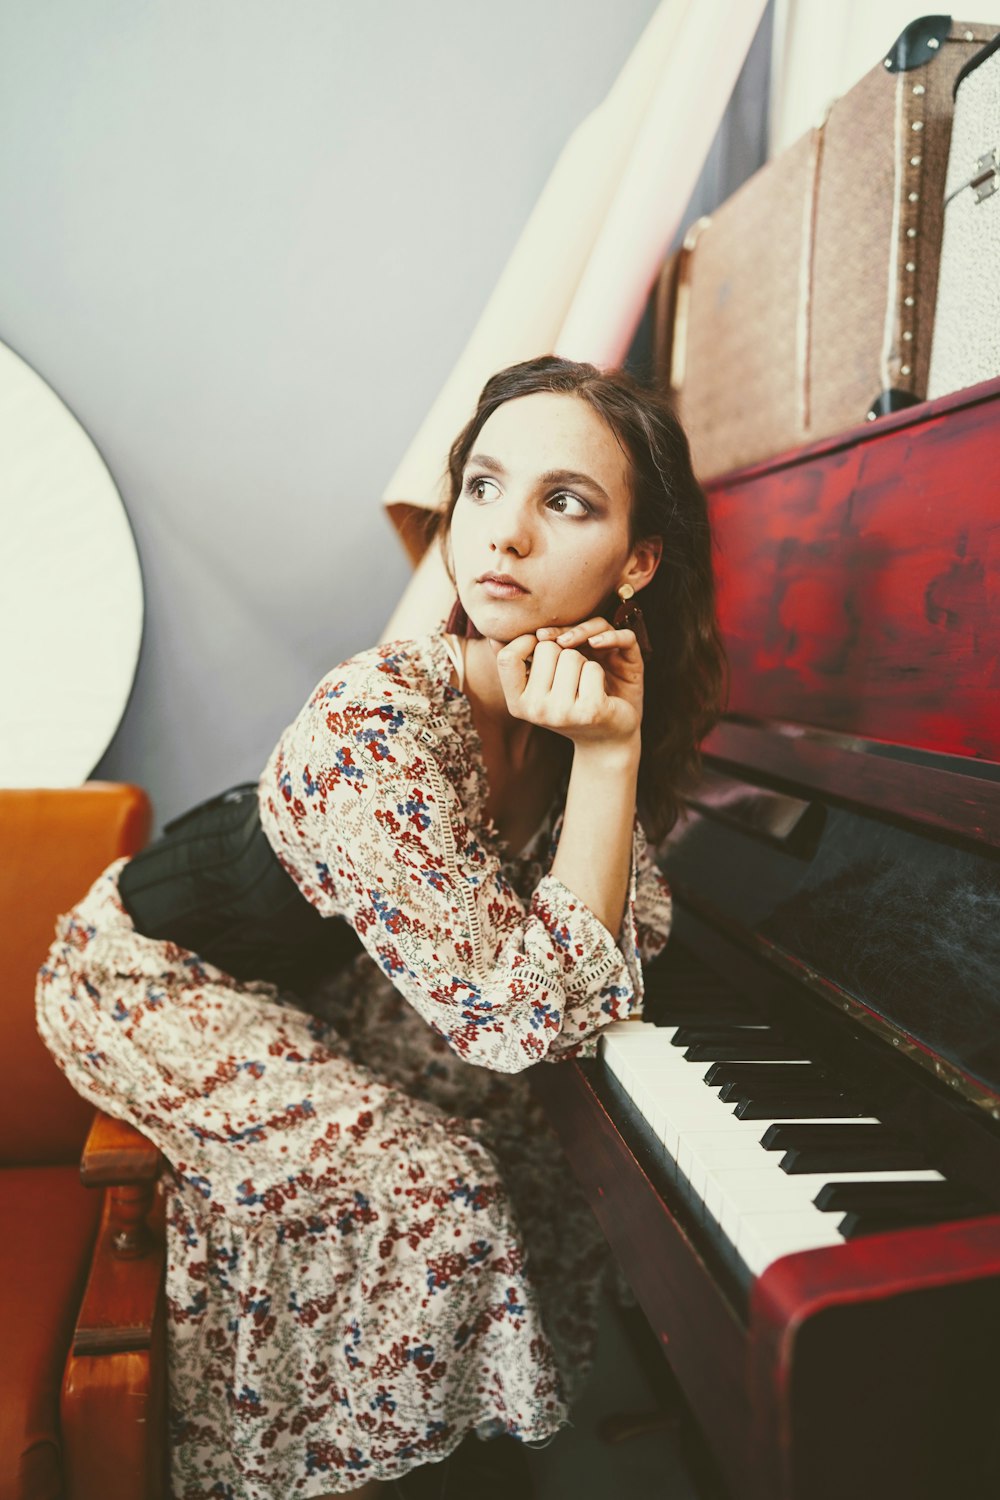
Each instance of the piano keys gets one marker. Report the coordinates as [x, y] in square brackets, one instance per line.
[741, 1179]
[795, 1153]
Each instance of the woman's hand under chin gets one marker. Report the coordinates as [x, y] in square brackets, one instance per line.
[584, 681]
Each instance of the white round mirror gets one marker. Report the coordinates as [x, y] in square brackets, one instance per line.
[70, 590]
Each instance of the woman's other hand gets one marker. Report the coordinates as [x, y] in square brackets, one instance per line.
[583, 681]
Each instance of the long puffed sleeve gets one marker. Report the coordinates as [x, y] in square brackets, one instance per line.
[356, 805]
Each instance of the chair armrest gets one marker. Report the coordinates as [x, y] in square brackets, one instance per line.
[122, 1299]
[120, 1302]
[116, 1154]
[118, 1157]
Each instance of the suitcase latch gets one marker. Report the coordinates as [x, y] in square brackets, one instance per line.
[986, 179]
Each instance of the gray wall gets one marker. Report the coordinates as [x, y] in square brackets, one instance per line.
[245, 241]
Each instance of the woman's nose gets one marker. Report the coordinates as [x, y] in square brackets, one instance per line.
[511, 529]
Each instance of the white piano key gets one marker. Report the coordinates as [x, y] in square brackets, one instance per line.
[621, 1034]
[737, 1188]
[729, 1179]
[732, 1194]
[756, 1190]
[765, 1238]
[716, 1149]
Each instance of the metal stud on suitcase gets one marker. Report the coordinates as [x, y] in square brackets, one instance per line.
[966, 343]
[805, 303]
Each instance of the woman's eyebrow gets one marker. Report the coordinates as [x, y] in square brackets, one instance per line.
[551, 476]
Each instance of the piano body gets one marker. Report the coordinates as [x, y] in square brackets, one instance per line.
[795, 1155]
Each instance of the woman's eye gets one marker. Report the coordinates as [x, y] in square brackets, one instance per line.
[565, 495]
[474, 483]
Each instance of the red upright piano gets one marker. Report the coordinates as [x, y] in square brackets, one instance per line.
[796, 1154]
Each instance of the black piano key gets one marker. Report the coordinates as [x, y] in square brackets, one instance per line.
[707, 985]
[775, 1106]
[748, 1051]
[781, 1076]
[686, 1036]
[733, 1092]
[854, 1226]
[874, 1197]
[873, 1158]
[672, 1010]
[787, 1137]
[689, 992]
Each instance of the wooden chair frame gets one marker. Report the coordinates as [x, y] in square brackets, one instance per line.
[114, 1392]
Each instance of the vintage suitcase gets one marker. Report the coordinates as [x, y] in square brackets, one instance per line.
[965, 348]
[803, 305]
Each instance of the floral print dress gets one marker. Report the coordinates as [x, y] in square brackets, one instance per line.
[374, 1242]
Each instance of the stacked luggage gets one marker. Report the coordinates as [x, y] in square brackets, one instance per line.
[805, 304]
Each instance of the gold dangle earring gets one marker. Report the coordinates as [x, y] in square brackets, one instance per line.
[630, 617]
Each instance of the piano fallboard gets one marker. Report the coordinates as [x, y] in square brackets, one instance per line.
[897, 926]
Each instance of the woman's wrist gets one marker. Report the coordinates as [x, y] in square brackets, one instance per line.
[616, 756]
[595, 845]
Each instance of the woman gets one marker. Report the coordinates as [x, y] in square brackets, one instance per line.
[375, 1246]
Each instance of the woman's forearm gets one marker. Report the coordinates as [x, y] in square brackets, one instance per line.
[594, 857]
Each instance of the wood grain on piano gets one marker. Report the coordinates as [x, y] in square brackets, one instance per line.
[859, 579]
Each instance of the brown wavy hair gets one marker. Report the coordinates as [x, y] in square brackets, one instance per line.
[686, 676]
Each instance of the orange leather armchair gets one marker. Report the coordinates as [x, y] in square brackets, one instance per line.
[83, 1380]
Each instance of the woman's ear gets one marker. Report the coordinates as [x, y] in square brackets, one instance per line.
[646, 559]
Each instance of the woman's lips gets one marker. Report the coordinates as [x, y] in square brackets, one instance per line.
[502, 590]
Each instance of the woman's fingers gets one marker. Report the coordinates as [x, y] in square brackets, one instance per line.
[542, 668]
[592, 687]
[595, 632]
[562, 687]
[526, 660]
[567, 673]
[572, 634]
[512, 662]
[620, 638]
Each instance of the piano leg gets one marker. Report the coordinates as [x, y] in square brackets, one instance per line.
[672, 1413]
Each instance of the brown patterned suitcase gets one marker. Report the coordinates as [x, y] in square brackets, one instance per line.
[805, 303]
[966, 345]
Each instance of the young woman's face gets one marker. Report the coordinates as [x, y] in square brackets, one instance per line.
[545, 500]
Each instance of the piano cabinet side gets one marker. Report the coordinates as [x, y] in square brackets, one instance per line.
[874, 1368]
[697, 1327]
